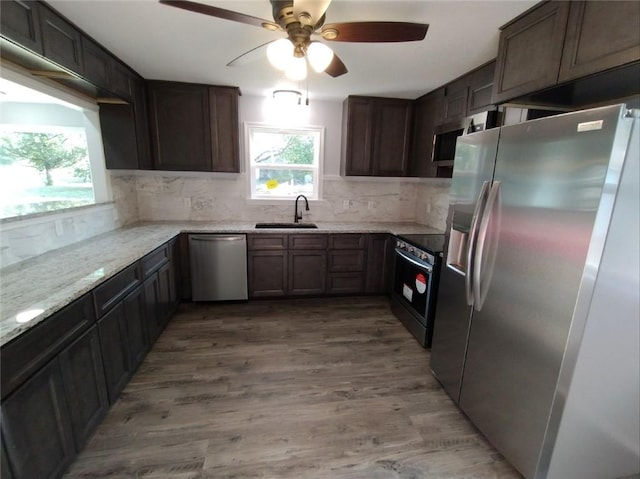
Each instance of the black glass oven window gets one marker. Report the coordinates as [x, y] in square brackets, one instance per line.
[412, 285]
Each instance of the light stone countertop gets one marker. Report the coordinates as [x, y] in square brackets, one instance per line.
[40, 286]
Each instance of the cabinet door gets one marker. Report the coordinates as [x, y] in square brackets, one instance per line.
[167, 293]
[120, 80]
[20, 22]
[307, 272]
[84, 383]
[115, 352]
[455, 100]
[97, 63]
[529, 52]
[379, 263]
[600, 35]
[152, 307]
[118, 127]
[267, 273]
[180, 126]
[428, 113]
[480, 87]
[223, 112]
[358, 127]
[134, 312]
[5, 468]
[61, 41]
[36, 428]
[141, 120]
[392, 137]
[345, 283]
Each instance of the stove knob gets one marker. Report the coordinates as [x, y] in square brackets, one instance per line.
[411, 249]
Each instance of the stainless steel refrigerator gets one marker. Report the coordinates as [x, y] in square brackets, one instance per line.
[537, 328]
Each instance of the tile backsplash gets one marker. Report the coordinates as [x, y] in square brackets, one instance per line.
[166, 196]
[224, 198]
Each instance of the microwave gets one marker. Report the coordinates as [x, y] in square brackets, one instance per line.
[446, 135]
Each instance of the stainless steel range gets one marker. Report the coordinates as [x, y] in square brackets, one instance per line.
[415, 283]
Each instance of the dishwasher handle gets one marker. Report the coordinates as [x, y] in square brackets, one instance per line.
[216, 237]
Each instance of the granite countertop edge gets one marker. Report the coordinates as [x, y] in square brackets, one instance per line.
[47, 283]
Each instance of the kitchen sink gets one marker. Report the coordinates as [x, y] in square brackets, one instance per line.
[286, 225]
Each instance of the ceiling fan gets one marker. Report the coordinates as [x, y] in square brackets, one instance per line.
[300, 19]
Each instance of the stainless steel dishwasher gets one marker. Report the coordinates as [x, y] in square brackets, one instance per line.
[218, 267]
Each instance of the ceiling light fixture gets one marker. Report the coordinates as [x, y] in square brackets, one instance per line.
[292, 58]
[288, 97]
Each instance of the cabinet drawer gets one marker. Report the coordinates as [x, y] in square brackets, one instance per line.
[347, 241]
[107, 295]
[342, 261]
[154, 260]
[261, 242]
[307, 241]
[345, 283]
[26, 354]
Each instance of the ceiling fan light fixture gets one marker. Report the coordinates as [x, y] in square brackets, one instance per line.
[297, 69]
[319, 55]
[280, 53]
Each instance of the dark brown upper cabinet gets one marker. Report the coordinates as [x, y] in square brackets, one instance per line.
[97, 62]
[376, 136]
[20, 22]
[455, 100]
[530, 50]
[193, 127]
[600, 35]
[480, 88]
[560, 41]
[428, 114]
[61, 41]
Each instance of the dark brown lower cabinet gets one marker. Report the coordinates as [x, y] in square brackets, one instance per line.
[152, 300]
[267, 273]
[5, 469]
[345, 283]
[307, 272]
[134, 312]
[167, 290]
[84, 384]
[379, 263]
[36, 428]
[115, 352]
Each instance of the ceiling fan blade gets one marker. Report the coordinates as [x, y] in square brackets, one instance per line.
[374, 32]
[314, 8]
[221, 13]
[247, 56]
[336, 67]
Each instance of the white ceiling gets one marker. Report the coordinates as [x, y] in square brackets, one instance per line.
[166, 43]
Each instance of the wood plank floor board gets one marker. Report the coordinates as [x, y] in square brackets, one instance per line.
[287, 389]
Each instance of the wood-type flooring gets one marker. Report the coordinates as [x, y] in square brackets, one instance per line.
[323, 388]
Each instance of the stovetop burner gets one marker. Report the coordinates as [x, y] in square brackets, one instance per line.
[431, 243]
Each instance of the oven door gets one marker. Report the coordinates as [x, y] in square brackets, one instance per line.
[412, 284]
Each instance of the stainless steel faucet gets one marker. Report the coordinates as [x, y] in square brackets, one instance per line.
[298, 216]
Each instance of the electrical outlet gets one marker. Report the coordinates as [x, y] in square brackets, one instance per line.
[345, 204]
[187, 202]
[371, 204]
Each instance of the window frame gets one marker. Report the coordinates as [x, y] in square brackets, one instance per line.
[273, 128]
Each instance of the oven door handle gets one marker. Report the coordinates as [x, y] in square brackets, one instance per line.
[425, 266]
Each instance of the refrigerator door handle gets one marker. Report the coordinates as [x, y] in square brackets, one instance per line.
[471, 242]
[486, 249]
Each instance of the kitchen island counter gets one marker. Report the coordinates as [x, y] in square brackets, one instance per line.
[32, 290]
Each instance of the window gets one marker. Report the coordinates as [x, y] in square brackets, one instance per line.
[50, 151]
[284, 162]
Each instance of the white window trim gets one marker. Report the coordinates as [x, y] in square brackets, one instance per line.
[250, 169]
